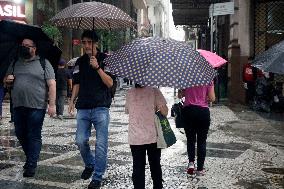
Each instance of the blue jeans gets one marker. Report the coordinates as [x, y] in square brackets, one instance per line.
[28, 124]
[99, 117]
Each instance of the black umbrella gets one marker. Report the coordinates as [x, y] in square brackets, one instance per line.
[271, 60]
[11, 35]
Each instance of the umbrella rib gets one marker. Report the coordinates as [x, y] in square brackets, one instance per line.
[108, 23]
[79, 22]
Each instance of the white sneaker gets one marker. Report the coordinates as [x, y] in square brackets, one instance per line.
[200, 173]
[191, 168]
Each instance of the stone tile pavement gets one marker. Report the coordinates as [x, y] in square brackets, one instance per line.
[244, 150]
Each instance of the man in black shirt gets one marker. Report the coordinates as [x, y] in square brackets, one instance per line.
[63, 77]
[91, 90]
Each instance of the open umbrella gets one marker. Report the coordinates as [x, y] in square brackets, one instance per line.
[215, 60]
[72, 62]
[156, 61]
[11, 35]
[93, 15]
[271, 60]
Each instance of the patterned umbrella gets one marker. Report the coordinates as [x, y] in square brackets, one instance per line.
[157, 61]
[271, 60]
[93, 15]
[215, 60]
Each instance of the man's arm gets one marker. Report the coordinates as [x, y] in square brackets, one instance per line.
[51, 96]
[74, 95]
[107, 80]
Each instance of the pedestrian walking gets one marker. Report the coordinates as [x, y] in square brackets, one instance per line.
[32, 87]
[91, 90]
[196, 118]
[141, 105]
[2, 94]
[63, 82]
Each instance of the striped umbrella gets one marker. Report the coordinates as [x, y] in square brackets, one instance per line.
[93, 15]
[155, 61]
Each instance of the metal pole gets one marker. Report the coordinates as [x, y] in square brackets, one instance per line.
[211, 29]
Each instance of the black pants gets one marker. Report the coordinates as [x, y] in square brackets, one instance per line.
[196, 125]
[139, 162]
[60, 101]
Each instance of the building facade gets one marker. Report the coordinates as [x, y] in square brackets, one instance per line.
[255, 26]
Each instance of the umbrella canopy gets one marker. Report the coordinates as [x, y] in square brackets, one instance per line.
[157, 61]
[72, 61]
[271, 60]
[11, 35]
[215, 60]
[93, 15]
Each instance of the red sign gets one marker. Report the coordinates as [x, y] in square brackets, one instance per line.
[76, 41]
[13, 11]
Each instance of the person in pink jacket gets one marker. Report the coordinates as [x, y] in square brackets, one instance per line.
[196, 119]
[141, 105]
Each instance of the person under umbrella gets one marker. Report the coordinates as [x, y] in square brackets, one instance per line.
[196, 122]
[32, 87]
[141, 105]
[91, 92]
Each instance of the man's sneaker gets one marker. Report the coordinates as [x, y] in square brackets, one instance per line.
[60, 117]
[87, 173]
[94, 184]
[190, 168]
[30, 172]
[200, 173]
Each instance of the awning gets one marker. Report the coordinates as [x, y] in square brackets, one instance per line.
[191, 12]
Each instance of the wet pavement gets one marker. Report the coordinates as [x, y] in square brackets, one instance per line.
[244, 150]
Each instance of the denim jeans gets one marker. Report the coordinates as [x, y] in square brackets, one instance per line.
[196, 125]
[99, 118]
[139, 162]
[28, 124]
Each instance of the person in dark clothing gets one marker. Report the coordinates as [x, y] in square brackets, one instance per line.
[91, 90]
[63, 81]
[196, 118]
[2, 94]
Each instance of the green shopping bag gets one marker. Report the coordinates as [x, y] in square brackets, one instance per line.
[165, 134]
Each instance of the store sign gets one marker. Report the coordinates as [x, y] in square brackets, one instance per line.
[76, 41]
[218, 9]
[10, 10]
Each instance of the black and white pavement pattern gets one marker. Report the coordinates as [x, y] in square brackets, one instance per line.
[238, 155]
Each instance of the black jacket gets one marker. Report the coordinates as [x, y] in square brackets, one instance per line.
[92, 92]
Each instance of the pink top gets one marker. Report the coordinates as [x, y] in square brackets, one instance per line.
[141, 104]
[197, 95]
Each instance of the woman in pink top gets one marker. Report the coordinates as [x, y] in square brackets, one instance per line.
[141, 105]
[196, 118]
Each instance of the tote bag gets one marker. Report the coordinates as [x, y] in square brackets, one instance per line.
[165, 134]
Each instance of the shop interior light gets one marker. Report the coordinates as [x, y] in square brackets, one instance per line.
[18, 1]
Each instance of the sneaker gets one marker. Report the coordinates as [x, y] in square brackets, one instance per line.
[94, 184]
[60, 117]
[30, 172]
[87, 173]
[190, 168]
[200, 173]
